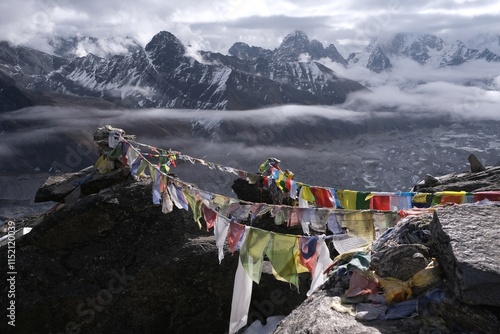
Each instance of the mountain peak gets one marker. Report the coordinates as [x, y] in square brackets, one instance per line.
[165, 44]
[297, 34]
[293, 46]
[247, 52]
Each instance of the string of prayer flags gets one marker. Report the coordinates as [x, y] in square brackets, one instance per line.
[272, 174]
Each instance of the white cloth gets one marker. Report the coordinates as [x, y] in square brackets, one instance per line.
[114, 138]
[322, 264]
[221, 227]
[167, 205]
[173, 195]
[242, 295]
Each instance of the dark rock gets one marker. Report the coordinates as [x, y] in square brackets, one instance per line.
[466, 240]
[401, 261]
[251, 192]
[11, 96]
[463, 318]
[114, 263]
[378, 61]
[430, 180]
[244, 51]
[489, 179]
[475, 165]
[56, 188]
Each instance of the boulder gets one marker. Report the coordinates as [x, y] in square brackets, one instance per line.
[467, 240]
[475, 165]
[58, 187]
[401, 261]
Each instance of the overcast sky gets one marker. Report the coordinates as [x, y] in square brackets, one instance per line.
[215, 25]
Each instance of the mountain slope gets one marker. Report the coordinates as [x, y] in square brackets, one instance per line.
[162, 75]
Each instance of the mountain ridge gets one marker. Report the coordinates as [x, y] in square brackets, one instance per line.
[424, 49]
[162, 75]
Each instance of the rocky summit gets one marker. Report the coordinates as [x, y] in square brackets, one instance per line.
[105, 259]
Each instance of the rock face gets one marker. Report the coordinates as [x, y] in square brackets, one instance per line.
[12, 97]
[467, 240]
[113, 262]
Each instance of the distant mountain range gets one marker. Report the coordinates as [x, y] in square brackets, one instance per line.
[118, 72]
[423, 49]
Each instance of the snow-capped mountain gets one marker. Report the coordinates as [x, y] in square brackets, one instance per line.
[162, 75]
[292, 63]
[490, 41]
[424, 49]
[80, 46]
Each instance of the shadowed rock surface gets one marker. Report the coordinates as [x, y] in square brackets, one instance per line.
[467, 242]
[475, 165]
[112, 262]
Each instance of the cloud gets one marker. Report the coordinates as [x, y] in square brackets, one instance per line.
[216, 25]
[434, 98]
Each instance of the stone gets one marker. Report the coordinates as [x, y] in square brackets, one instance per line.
[58, 187]
[486, 180]
[102, 134]
[467, 240]
[315, 316]
[401, 261]
[464, 241]
[475, 165]
[430, 180]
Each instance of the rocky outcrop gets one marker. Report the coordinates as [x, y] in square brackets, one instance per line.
[466, 240]
[463, 239]
[475, 165]
[486, 180]
[113, 262]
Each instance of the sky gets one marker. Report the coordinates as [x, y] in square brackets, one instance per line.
[216, 25]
